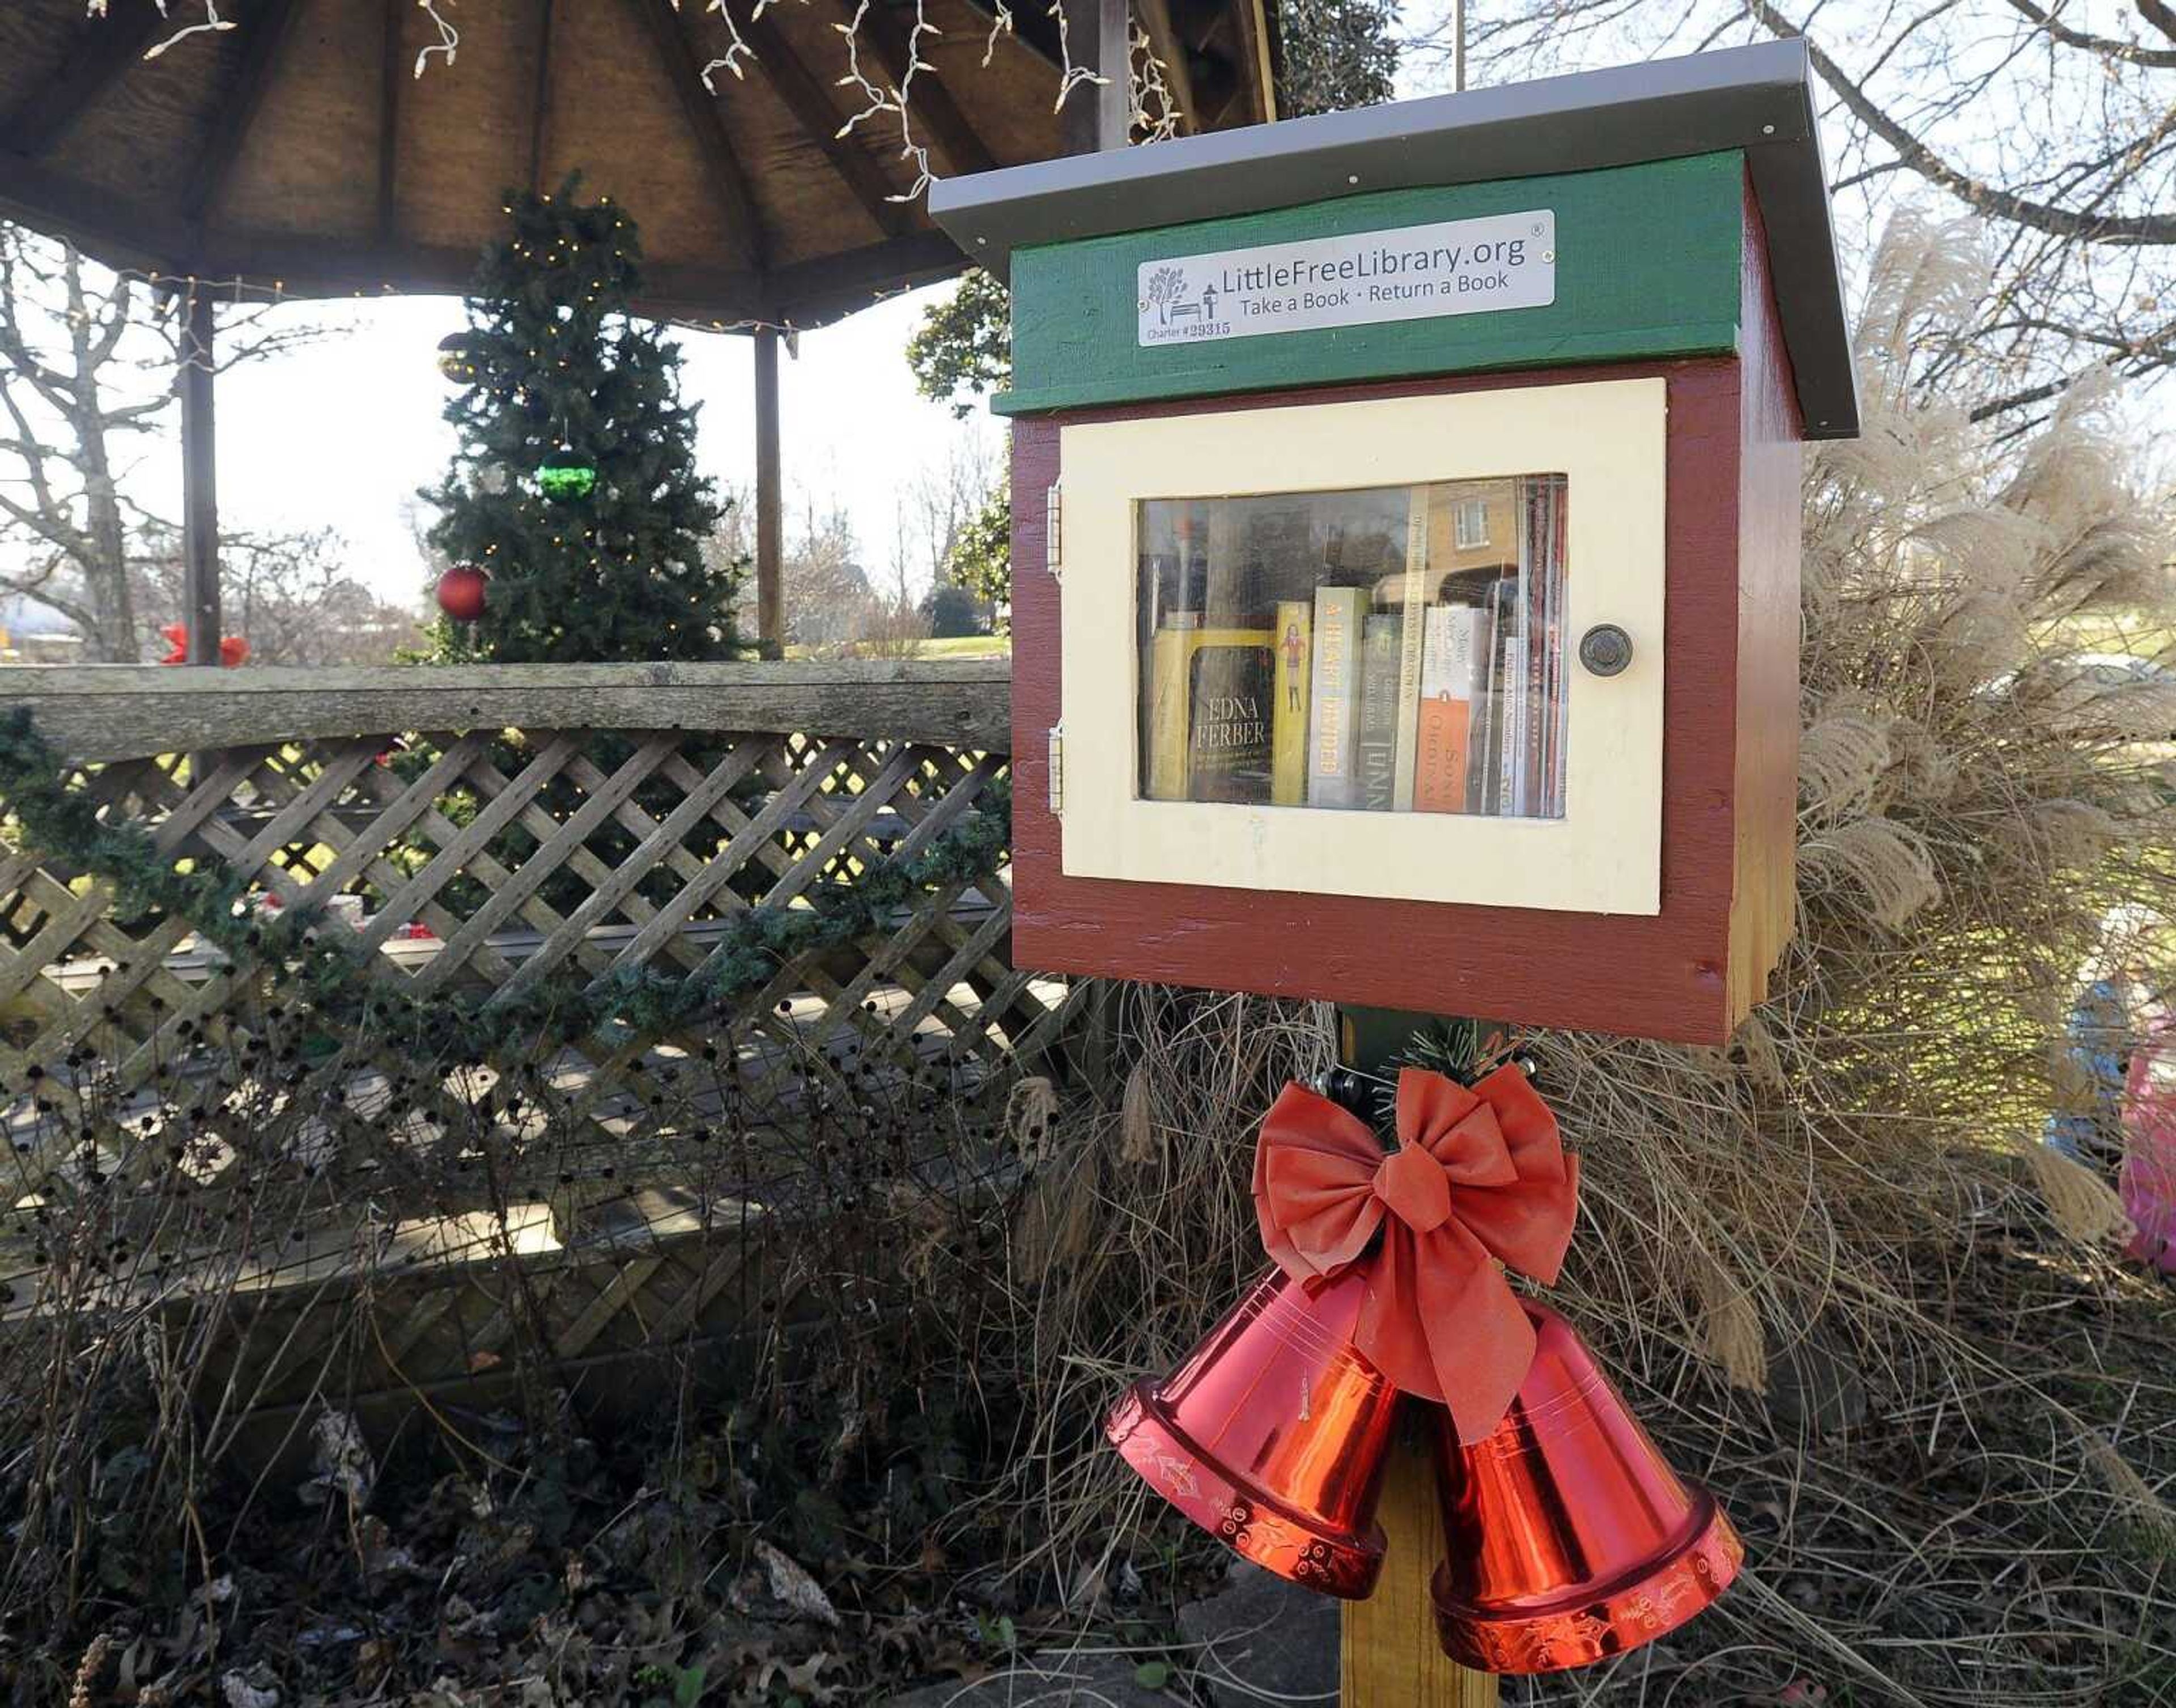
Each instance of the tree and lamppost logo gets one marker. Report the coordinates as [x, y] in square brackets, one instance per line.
[1167, 294]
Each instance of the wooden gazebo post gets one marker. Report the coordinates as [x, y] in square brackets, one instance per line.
[199, 479]
[1096, 115]
[769, 544]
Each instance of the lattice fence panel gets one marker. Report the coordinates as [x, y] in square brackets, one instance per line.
[488, 867]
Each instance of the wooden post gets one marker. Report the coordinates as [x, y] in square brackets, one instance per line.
[199, 481]
[769, 543]
[1388, 1654]
[1098, 37]
[1098, 34]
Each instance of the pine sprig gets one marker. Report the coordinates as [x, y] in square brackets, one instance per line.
[339, 982]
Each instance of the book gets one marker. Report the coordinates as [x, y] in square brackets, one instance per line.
[1554, 702]
[1295, 646]
[1534, 700]
[1493, 717]
[1512, 717]
[1333, 726]
[1381, 708]
[1410, 643]
[1170, 660]
[1455, 662]
[1445, 751]
[1232, 682]
[1189, 667]
[1480, 674]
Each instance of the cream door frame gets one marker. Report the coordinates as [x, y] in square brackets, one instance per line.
[1603, 856]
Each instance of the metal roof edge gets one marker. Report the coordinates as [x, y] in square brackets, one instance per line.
[1757, 99]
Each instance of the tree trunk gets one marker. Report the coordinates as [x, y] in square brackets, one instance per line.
[106, 572]
[113, 638]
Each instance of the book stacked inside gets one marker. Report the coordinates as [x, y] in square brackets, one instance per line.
[1436, 684]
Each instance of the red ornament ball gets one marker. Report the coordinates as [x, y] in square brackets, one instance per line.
[460, 592]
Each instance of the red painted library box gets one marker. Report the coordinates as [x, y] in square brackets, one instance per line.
[1406, 544]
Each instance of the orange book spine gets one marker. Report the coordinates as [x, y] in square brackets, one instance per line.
[1440, 755]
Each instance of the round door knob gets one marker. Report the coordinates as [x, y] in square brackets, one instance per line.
[1605, 649]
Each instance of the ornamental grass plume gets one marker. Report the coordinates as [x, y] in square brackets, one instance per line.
[1834, 1266]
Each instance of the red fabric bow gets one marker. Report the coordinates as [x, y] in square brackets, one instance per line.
[233, 648]
[1479, 1177]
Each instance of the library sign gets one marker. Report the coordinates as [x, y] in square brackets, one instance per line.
[1409, 272]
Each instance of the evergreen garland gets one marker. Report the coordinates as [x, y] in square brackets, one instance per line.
[336, 979]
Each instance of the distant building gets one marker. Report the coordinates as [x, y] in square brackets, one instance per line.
[34, 633]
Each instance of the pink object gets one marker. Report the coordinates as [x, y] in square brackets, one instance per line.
[2149, 1162]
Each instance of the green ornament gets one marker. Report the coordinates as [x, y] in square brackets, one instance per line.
[565, 476]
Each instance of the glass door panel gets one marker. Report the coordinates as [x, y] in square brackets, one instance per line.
[1385, 649]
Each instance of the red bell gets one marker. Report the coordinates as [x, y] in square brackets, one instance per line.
[1568, 1538]
[1271, 1436]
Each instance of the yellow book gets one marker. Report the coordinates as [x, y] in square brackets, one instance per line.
[1168, 654]
[1295, 646]
[1171, 653]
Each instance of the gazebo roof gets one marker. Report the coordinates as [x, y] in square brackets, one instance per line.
[298, 152]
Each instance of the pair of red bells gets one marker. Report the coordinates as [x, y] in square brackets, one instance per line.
[1568, 1536]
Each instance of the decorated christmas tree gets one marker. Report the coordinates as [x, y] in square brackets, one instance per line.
[572, 512]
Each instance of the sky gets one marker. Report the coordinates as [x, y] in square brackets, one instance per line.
[339, 433]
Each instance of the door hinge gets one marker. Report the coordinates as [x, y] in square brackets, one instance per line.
[1053, 532]
[1056, 769]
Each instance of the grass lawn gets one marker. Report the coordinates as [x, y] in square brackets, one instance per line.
[967, 646]
[959, 646]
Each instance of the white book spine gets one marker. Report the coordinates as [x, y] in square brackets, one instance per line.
[1512, 797]
[1411, 642]
[1467, 644]
[1437, 669]
[1455, 661]
[1473, 637]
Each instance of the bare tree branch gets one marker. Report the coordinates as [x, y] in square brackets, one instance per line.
[2051, 123]
[2110, 45]
[87, 358]
[1987, 199]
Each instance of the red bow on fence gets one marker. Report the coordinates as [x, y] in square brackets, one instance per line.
[1479, 1177]
[233, 649]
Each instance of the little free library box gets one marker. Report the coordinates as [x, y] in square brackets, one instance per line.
[1405, 544]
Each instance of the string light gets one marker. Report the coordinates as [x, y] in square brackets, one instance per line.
[1153, 113]
[1152, 110]
[449, 44]
[213, 21]
[731, 59]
